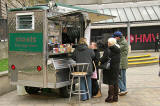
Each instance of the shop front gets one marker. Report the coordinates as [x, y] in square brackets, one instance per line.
[141, 38]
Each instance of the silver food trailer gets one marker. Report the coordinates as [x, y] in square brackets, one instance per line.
[40, 45]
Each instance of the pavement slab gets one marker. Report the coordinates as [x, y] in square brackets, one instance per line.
[143, 85]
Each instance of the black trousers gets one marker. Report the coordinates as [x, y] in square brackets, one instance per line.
[156, 48]
[95, 87]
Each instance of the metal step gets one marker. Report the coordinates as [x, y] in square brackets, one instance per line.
[142, 59]
[131, 57]
[147, 62]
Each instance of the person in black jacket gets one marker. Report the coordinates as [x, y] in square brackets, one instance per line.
[157, 41]
[83, 54]
[95, 87]
[110, 77]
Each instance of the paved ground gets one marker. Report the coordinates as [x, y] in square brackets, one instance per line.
[143, 90]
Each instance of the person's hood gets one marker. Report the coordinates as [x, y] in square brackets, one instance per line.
[81, 47]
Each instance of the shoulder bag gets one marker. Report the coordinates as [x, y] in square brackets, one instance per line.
[94, 74]
[106, 65]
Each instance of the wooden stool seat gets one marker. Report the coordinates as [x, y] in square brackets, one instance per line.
[79, 73]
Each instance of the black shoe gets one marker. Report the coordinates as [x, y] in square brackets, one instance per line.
[115, 99]
[109, 100]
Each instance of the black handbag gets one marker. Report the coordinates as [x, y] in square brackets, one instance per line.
[106, 65]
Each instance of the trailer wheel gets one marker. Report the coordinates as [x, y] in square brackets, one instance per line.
[32, 90]
[64, 92]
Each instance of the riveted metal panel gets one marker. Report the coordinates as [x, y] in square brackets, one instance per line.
[39, 18]
[26, 67]
[26, 62]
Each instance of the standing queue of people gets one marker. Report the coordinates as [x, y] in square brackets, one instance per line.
[116, 50]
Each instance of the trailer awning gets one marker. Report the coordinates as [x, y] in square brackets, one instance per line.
[96, 17]
[93, 15]
[64, 9]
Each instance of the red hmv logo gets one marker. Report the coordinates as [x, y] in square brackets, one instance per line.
[143, 38]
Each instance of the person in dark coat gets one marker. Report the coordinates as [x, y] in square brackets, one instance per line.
[157, 41]
[110, 77]
[83, 54]
[95, 87]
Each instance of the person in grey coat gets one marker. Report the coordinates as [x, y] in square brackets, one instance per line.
[83, 54]
[123, 62]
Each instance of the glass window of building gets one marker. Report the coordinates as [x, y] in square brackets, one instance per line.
[129, 14]
[157, 10]
[108, 12]
[144, 13]
[152, 13]
[122, 15]
[137, 14]
[115, 13]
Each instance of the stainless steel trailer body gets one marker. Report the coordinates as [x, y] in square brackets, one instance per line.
[27, 49]
[33, 62]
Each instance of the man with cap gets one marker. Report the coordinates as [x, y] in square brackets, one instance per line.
[123, 61]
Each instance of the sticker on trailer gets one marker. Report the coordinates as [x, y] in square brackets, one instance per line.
[26, 42]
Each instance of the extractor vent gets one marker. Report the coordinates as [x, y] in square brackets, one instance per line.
[25, 21]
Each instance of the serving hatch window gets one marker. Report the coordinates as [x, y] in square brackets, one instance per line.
[25, 21]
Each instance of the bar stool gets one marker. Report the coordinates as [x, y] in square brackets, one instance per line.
[79, 70]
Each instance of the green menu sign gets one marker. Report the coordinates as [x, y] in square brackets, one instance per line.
[27, 42]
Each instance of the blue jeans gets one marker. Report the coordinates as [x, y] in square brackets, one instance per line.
[122, 81]
[84, 87]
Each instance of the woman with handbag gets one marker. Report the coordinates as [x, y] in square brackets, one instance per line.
[96, 92]
[110, 76]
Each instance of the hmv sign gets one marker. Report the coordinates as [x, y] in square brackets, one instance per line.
[143, 38]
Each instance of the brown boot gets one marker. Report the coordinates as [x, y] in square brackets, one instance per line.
[115, 96]
[109, 99]
[98, 94]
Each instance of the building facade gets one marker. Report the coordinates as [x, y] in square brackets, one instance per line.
[91, 2]
[139, 22]
[5, 5]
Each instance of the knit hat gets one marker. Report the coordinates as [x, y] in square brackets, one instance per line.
[117, 34]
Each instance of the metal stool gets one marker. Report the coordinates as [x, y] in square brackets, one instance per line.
[79, 70]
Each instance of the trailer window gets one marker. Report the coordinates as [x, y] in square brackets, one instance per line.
[25, 21]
